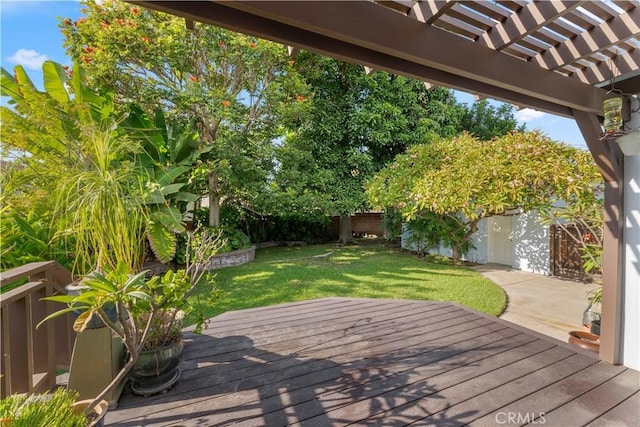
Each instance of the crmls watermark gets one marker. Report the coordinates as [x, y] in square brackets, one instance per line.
[520, 418]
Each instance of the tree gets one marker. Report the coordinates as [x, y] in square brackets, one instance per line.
[465, 180]
[485, 121]
[234, 86]
[354, 124]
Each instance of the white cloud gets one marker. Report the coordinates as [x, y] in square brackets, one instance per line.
[527, 115]
[28, 58]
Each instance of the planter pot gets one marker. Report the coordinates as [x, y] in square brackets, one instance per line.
[95, 418]
[589, 316]
[95, 322]
[585, 340]
[157, 370]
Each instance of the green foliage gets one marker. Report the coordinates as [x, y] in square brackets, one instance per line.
[53, 409]
[466, 180]
[431, 230]
[29, 238]
[170, 155]
[100, 205]
[97, 189]
[392, 221]
[118, 287]
[486, 121]
[354, 125]
[234, 88]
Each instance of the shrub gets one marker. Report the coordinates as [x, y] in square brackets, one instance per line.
[229, 239]
[42, 410]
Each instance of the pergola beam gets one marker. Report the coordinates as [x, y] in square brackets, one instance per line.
[406, 47]
[526, 21]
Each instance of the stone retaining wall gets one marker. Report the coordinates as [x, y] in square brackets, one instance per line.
[231, 259]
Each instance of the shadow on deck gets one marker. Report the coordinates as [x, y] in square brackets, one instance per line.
[339, 361]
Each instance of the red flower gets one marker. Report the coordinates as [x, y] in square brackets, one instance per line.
[67, 22]
[253, 45]
[300, 98]
[221, 44]
[226, 103]
[105, 25]
[134, 10]
[89, 49]
[81, 21]
[193, 78]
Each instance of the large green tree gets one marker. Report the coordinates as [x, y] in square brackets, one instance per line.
[463, 180]
[486, 121]
[353, 125]
[234, 86]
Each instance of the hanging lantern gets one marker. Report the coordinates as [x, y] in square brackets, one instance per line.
[612, 107]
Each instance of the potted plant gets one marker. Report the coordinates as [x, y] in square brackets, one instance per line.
[126, 292]
[157, 367]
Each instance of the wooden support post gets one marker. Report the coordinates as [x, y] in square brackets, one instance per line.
[610, 161]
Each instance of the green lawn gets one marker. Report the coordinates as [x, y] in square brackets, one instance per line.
[287, 274]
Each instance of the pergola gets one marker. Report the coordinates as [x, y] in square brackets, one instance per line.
[559, 57]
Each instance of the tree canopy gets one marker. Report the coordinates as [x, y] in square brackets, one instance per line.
[486, 121]
[236, 88]
[355, 124]
[464, 179]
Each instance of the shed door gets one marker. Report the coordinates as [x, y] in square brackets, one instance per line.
[501, 240]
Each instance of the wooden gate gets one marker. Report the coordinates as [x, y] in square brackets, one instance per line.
[566, 260]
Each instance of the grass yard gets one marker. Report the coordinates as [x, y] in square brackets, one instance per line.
[288, 274]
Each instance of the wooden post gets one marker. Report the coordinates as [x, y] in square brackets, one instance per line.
[610, 161]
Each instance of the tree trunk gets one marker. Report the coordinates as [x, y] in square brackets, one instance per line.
[346, 236]
[455, 254]
[214, 200]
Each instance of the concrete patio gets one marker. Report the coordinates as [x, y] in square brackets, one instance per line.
[546, 304]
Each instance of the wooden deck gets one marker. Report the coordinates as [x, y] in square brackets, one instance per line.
[339, 361]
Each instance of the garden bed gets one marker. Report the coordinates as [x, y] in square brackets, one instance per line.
[231, 259]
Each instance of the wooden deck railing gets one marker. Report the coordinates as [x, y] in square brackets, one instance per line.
[30, 356]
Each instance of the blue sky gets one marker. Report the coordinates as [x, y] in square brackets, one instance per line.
[29, 34]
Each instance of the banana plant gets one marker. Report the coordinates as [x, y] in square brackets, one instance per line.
[170, 154]
[51, 121]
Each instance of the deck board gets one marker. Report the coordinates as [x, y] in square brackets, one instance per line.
[341, 361]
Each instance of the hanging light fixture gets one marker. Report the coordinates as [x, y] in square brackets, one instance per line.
[612, 107]
[615, 107]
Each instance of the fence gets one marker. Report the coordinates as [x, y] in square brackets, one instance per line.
[370, 223]
[30, 355]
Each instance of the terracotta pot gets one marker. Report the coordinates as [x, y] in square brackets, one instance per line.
[585, 340]
[157, 370]
[95, 418]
